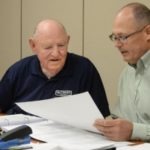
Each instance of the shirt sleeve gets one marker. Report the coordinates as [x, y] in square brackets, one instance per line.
[96, 89]
[6, 92]
[125, 109]
[141, 131]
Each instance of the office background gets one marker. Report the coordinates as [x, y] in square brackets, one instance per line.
[89, 22]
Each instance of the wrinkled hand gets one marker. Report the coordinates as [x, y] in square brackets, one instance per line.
[117, 129]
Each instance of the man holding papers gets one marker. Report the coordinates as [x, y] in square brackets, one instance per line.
[51, 72]
[131, 35]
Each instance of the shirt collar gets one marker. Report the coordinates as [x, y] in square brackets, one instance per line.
[144, 61]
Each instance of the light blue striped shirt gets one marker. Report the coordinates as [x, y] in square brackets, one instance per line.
[134, 97]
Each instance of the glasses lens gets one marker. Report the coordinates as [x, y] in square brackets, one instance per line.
[112, 38]
[118, 38]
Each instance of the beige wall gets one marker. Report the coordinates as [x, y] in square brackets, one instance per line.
[98, 16]
[89, 23]
[9, 33]
[69, 12]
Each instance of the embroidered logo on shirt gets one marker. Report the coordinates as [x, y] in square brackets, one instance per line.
[63, 92]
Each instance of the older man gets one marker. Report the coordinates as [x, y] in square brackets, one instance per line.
[51, 72]
[131, 35]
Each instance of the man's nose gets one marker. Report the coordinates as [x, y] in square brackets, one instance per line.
[55, 51]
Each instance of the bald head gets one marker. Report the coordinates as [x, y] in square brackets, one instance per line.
[49, 26]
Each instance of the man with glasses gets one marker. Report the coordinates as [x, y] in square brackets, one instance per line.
[131, 36]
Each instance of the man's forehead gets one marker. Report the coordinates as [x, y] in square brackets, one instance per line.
[124, 23]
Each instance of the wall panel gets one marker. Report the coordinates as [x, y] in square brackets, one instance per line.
[98, 19]
[67, 11]
[10, 33]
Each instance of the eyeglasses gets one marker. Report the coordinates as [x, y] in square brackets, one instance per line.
[123, 38]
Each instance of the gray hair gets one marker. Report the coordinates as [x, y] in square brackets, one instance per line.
[140, 12]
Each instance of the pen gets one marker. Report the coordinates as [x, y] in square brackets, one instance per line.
[14, 142]
[114, 116]
[111, 148]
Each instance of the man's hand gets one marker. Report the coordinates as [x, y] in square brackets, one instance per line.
[117, 129]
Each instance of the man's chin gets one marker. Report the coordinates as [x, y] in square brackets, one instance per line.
[54, 72]
[126, 59]
[129, 61]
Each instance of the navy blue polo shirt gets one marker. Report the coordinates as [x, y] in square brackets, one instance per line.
[24, 81]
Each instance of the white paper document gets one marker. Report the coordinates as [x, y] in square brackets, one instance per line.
[71, 114]
[67, 136]
[51, 146]
[57, 135]
[18, 119]
[66, 119]
[76, 110]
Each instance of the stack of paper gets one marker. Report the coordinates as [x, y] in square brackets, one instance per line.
[69, 123]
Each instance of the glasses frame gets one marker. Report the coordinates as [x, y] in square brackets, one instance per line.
[123, 38]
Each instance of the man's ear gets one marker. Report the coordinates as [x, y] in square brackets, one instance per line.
[148, 29]
[68, 39]
[147, 33]
[32, 45]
